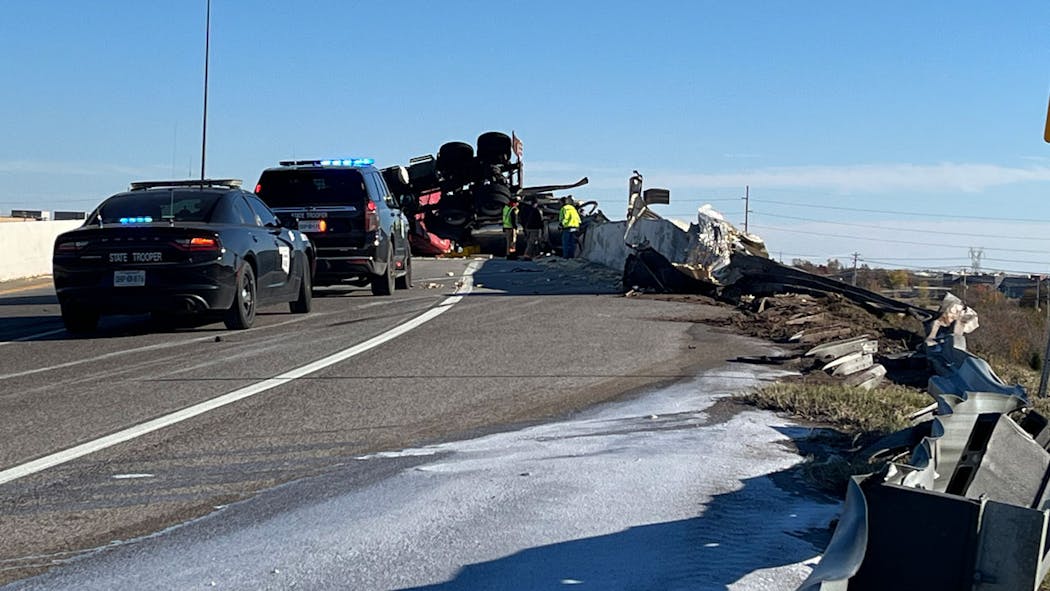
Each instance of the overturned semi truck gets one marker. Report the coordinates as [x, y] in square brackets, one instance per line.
[456, 198]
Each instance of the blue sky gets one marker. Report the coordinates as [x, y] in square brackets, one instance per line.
[907, 132]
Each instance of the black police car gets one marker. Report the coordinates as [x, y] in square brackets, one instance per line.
[171, 247]
[356, 225]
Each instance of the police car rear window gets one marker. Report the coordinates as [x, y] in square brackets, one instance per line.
[157, 206]
[324, 187]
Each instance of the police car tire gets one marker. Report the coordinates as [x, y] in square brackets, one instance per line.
[241, 314]
[405, 281]
[303, 303]
[78, 320]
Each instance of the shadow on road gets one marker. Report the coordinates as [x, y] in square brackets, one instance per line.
[37, 300]
[547, 276]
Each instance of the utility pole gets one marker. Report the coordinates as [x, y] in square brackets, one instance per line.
[855, 256]
[747, 205]
[204, 125]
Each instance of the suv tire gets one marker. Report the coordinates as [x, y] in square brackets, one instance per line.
[383, 284]
[405, 281]
[303, 303]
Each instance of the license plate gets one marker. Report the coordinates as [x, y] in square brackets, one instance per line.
[310, 225]
[129, 278]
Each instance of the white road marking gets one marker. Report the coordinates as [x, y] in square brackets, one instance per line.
[141, 429]
[33, 336]
[17, 374]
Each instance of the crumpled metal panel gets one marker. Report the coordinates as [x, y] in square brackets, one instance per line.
[967, 510]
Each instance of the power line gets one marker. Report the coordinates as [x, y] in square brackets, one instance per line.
[912, 213]
[885, 240]
[873, 226]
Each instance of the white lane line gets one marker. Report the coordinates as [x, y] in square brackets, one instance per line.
[141, 429]
[33, 336]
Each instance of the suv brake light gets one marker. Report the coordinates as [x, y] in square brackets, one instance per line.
[371, 217]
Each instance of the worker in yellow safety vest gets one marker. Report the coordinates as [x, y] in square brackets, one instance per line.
[510, 227]
[570, 227]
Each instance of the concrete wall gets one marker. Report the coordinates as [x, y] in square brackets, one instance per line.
[25, 247]
[604, 243]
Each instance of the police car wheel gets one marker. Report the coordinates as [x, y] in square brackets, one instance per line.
[79, 320]
[241, 314]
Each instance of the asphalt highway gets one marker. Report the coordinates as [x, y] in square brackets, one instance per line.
[140, 427]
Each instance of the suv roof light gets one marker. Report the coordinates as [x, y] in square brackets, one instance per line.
[222, 183]
[330, 162]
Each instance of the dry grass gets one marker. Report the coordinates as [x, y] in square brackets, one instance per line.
[850, 410]
[854, 416]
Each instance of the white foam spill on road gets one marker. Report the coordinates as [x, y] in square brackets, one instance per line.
[650, 494]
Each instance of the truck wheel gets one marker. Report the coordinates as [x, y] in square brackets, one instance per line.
[494, 148]
[241, 314]
[490, 199]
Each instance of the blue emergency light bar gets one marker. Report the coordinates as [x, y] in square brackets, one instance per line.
[137, 220]
[331, 162]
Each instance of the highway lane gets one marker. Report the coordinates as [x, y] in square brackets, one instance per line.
[532, 341]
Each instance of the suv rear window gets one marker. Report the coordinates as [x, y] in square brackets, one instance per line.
[159, 206]
[325, 186]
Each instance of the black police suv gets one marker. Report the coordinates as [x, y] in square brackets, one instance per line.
[175, 247]
[357, 227]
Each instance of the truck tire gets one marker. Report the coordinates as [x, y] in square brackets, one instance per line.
[494, 148]
[490, 199]
[455, 162]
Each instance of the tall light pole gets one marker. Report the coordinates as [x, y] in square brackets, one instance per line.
[204, 125]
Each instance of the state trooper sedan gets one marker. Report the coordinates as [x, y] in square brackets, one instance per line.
[181, 247]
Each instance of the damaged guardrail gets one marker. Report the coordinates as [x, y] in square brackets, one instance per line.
[963, 501]
[968, 507]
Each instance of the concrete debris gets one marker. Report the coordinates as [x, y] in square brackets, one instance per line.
[849, 363]
[819, 317]
[866, 379]
[829, 351]
[820, 335]
[955, 314]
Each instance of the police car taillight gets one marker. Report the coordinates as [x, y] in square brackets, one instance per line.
[371, 217]
[197, 243]
[70, 246]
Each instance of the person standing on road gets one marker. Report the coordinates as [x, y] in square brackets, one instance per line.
[510, 226]
[532, 220]
[570, 227]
